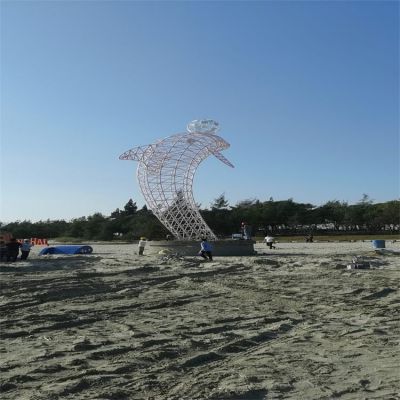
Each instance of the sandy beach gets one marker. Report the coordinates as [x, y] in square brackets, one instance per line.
[289, 323]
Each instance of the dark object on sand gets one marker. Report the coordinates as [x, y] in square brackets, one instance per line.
[67, 249]
[358, 264]
[378, 244]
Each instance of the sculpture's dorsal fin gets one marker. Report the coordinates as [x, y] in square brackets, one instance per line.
[223, 159]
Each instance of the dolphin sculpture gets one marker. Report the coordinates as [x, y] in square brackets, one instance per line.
[165, 173]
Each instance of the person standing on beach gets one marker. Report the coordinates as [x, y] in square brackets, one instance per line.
[269, 240]
[13, 250]
[205, 249]
[3, 250]
[310, 238]
[246, 231]
[142, 245]
[25, 249]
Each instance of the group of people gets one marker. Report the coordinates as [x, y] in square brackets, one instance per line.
[9, 251]
[205, 248]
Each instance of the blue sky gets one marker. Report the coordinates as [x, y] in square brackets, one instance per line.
[307, 93]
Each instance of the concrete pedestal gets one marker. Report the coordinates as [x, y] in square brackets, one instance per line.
[191, 247]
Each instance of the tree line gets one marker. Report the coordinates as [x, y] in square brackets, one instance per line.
[285, 217]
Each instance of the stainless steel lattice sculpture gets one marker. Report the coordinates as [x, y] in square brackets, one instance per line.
[166, 170]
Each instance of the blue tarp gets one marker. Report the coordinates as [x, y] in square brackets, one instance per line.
[67, 249]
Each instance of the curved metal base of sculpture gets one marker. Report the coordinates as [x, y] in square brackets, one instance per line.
[191, 247]
[165, 173]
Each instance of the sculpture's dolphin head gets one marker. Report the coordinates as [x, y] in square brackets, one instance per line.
[209, 127]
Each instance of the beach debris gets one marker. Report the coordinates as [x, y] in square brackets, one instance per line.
[358, 263]
[170, 257]
[164, 252]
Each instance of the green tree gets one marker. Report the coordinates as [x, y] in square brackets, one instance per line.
[333, 212]
[94, 226]
[76, 228]
[116, 213]
[220, 203]
[390, 212]
[130, 208]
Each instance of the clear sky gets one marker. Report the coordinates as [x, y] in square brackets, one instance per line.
[307, 93]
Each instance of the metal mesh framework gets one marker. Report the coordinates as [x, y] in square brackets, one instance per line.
[165, 173]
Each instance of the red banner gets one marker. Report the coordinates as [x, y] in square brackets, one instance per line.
[36, 241]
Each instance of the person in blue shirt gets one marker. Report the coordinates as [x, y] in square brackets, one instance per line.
[205, 249]
[25, 249]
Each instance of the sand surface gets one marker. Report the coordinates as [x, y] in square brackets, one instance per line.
[290, 323]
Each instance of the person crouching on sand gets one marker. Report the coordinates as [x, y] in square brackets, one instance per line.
[142, 245]
[205, 249]
[269, 240]
[25, 249]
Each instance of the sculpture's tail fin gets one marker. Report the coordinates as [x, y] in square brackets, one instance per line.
[137, 153]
